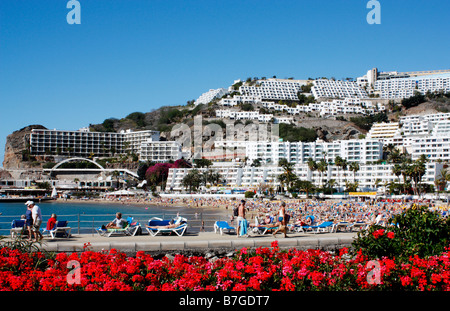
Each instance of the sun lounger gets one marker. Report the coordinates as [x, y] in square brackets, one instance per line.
[157, 226]
[17, 227]
[342, 225]
[61, 228]
[220, 226]
[263, 229]
[326, 226]
[130, 229]
[359, 225]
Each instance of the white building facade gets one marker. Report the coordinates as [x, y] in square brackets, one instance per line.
[368, 177]
[207, 97]
[325, 88]
[84, 143]
[274, 89]
[270, 152]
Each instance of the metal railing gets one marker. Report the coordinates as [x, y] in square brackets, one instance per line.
[83, 223]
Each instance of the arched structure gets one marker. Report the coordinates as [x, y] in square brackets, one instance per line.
[78, 159]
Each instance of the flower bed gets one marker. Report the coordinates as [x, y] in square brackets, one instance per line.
[264, 269]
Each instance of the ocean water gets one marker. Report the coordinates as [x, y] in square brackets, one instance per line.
[85, 217]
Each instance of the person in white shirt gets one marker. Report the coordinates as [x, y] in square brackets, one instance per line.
[37, 220]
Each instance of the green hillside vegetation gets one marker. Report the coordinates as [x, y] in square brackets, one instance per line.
[289, 132]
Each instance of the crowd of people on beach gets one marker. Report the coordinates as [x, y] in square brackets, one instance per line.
[303, 212]
[282, 214]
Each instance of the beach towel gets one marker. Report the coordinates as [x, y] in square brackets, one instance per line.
[243, 227]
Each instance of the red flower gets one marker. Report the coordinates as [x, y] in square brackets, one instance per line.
[376, 234]
[390, 235]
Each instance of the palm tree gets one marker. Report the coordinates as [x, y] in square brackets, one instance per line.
[395, 156]
[338, 161]
[377, 182]
[282, 179]
[404, 168]
[397, 171]
[445, 175]
[354, 167]
[288, 176]
[344, 166]
[192, 180]
[312, 165]
[305, 186]
[322, 167]
[388, 148]
[211, 176]
[416, 172]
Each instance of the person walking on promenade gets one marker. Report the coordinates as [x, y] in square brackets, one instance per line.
[29, 222]
[37, 220]
[281, 220]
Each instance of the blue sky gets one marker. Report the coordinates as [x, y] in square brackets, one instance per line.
[131, 55]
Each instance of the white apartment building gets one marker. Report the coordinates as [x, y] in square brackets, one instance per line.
[441, 128]
[325, 88]
[369, 177]
[239, 99]
[274, 89]
[134, 139]
[83, 143]
[75, 143]
[433, 147]
[160, 151]
[434, 117]
[243, 115]
[334, 107]
[383, 130]
[278, 120]
[207, 97]
[270, 152]
[398, 88]
[416, 128]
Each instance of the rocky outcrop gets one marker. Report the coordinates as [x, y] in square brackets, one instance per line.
[17, 148]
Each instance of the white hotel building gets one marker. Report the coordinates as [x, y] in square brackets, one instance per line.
[325, 88]
[84, 143]
[353, 150]
[433, 147]
[369, 177]
[160, 151]
[207, 97]
[274, 89]
[399, 85]
[406, 87]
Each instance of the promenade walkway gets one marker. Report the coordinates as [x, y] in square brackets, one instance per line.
[201, 241]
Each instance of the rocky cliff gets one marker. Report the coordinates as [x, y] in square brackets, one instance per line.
[17, 148]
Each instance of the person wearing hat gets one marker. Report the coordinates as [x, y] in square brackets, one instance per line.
[37, 220]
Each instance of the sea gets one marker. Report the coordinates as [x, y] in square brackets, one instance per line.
[86, 217]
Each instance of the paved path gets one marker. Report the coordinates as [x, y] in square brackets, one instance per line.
[197, 241]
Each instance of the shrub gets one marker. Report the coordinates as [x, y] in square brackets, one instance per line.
[249, 194]
[416, 231]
